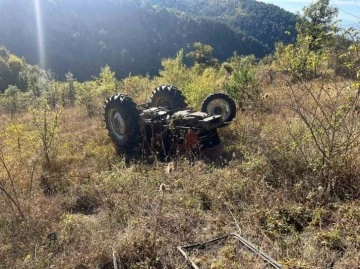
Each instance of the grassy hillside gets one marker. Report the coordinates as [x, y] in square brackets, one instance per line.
[67, 201]
[287, 177]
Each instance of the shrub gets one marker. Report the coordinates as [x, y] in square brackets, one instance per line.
[174, 71]
[322, 138]
[10, 100]
[18, 163]
[86, 96]
[106, 83]
[46, 123]
[243, 85]
[202, 84]
[138, 87]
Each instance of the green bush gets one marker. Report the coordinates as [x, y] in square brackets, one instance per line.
[13, 101]
[243, 85]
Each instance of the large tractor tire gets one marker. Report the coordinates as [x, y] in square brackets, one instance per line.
[169, 97]
[122, 120]
[220, 104]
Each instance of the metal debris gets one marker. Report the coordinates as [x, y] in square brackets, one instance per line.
[246, 243]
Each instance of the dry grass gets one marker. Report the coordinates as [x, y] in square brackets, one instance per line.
[89, 203]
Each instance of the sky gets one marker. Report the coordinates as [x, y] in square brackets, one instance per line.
[349, 10]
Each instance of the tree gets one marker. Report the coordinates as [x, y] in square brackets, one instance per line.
[298, 60]
[243, 85]
[11, 98]
[347, 64]
[51, 89]
[106, 82]
[317, 24]
[316, 37]
[34, 77]
[4, 74]
[16, 65]
[70, 95]
[11, 67]
[174, 70]
[87, 92]
[202, 55]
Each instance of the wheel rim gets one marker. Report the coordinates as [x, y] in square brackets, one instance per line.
[117, 124]
[219, 107]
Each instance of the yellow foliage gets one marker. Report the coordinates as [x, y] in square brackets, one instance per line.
[201, 85]
[139, 87]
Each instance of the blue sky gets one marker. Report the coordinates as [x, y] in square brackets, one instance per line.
[349, 10]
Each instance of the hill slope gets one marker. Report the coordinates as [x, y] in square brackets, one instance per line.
[266, 23]
[133, 36]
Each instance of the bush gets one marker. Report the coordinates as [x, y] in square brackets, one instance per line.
[201, 85]
[138, 87]
[86, 95]
[18, 163]
[243, 85]
[174, 71]
[106, 83]
[322, 138]
[46, 123]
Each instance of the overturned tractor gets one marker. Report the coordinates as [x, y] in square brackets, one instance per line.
[166, 126]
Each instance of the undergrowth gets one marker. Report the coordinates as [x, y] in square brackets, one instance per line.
[75, 204]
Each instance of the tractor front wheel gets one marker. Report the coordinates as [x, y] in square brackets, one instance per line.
[220, 104]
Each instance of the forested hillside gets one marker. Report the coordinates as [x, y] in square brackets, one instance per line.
[133, 36]
[266, 23]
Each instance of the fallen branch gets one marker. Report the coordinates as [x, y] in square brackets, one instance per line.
[242, 240]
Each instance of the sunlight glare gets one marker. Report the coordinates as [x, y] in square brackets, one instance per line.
[40, 34]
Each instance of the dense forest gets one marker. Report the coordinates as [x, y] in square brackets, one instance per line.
[132, 36]
[266, 23]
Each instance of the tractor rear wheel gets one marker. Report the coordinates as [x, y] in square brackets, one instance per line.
[169, 97]
[122, 120]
